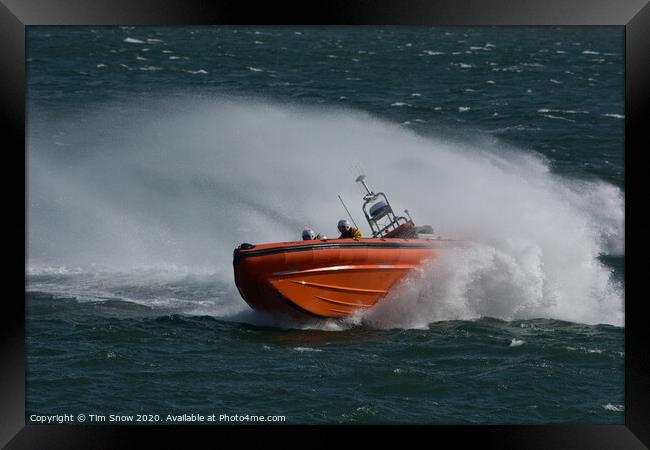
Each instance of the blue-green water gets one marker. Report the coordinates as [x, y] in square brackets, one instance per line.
[153, 152]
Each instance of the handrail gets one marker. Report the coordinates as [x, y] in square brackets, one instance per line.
[373, 222]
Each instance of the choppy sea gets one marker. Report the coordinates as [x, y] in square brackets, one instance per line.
[153, 152]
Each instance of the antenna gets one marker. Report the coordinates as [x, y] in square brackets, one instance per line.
[362, 179]
[347, 211]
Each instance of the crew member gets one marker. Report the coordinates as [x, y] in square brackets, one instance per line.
[347, 230]
[308, 234]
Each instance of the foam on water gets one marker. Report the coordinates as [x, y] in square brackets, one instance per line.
[307, 349]
[615, 408]
[133, 41]
[181, 184]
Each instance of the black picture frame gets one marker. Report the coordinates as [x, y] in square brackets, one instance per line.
[15, 15]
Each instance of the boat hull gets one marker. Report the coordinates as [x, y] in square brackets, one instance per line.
[327, 279]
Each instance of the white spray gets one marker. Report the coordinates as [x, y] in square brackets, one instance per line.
[181, 186]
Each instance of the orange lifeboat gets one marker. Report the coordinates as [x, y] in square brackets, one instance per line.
[326, 278]
[334, 278]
